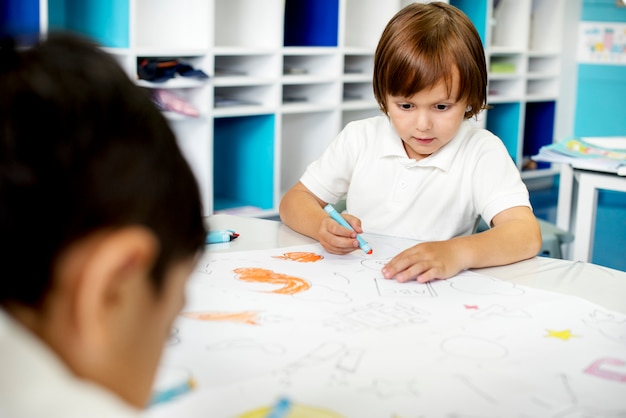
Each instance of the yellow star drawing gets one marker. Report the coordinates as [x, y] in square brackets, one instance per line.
[564, 335]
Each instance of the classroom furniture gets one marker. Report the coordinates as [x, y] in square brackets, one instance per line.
[552, 238]
[327, 332]
[286, 76]
[598, 284]
[577, 204]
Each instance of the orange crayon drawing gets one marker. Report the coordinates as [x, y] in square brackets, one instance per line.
[245, 317]
[290, 285]
[300, 257]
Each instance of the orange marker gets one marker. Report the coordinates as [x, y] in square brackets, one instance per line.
[337, 217]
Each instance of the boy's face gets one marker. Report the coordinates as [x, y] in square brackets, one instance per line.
[429, 119]
[145, 330]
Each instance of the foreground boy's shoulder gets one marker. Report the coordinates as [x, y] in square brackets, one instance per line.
[26, 362]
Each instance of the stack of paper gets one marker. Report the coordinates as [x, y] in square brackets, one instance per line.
[607, 154]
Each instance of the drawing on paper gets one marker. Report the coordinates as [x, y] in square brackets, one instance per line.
[474, 348]
[607, 324]
[387, 388]
[300, 257]
[239, 345]
[564, 335]
[603, 368]
[377, 316]
[245, 317]
[347, 342]
[497, 310]
[290, 285]
[296, 410]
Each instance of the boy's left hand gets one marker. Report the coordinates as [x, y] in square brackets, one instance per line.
[424, 262]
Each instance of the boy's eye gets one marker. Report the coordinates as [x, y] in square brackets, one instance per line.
[441, 107]
[405, 106]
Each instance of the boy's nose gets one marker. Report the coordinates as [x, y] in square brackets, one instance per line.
[422, 121]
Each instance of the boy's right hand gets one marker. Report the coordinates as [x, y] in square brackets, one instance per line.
[337, 239]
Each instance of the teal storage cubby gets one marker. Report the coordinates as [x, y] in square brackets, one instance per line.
[538, 128]
[600, 101]
[19, 18]
[602, 11]
[311, 22]
[476, 10]
[243, 162]
[504, 121]
[104, 21]
[610, 230]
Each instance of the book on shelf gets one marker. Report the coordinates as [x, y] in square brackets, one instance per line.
[606, 154]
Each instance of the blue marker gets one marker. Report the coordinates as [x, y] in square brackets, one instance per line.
[281, 409]
[221, 235]
[167, 395]
[337, 217]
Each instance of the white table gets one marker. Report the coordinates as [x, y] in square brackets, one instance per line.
[354, 345]
[598, 284]
[577, 204]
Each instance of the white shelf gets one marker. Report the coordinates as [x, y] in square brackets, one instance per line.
[221, 81]
[243, 50]
[287, 103]
[234, 111]
[523, 39]
[174, 83]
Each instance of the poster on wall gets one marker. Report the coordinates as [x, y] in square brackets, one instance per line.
[602, 43]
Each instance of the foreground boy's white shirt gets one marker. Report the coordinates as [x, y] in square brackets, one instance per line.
[34, 383]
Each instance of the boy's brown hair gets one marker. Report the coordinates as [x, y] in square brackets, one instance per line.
[83, 149]
[424, 44]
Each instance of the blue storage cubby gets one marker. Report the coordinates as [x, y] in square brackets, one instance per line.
[104, 21]
[538, 128]
[610, 230]
[503, 120]
[600, 100]
[243, 162]
[19, 18]
[476, 10]
[311, 22]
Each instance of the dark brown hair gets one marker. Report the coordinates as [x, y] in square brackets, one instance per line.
[83, 149]
[424, 44]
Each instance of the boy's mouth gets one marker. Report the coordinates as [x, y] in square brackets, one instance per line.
[424, 140]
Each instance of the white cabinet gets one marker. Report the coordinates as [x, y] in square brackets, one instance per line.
[134, 30]
[522, 41]
[287, 75]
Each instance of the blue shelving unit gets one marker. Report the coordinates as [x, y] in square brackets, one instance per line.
[104, 21]
[600, 101]
[476, 10]
[19, 18]
[600, 112]
[503, 120]
[538, 128]
[311, 23]
[243, 162]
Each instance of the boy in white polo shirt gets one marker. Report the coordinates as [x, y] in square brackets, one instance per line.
[422, 171]
[100, 225]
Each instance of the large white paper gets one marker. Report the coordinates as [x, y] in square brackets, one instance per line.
[338, 340]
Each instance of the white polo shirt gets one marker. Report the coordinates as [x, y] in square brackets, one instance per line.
[436, 198]
[35, 383]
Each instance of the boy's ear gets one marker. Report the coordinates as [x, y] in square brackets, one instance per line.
[112, 272]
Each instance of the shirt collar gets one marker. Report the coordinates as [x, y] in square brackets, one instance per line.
[442, 159]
